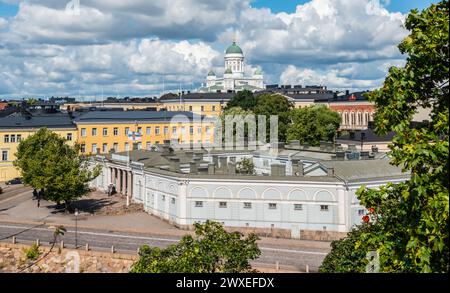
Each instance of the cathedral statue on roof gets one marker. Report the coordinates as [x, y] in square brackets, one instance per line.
[233, 78]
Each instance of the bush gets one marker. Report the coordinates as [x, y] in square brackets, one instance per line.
[33, 252]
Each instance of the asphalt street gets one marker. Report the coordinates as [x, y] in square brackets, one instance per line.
[130, 242]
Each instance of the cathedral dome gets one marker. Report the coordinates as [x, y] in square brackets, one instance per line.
[258, 71]
[234, 49]
[211, 73]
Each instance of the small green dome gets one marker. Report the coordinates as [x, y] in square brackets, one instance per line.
[258, 71]
[234, 49]
[211, 73]
[228, 71]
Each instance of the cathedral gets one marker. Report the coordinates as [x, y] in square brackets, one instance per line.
[233, 78]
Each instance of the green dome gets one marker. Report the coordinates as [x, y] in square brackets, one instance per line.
[258, 71]
[211, 73]
[234, 49]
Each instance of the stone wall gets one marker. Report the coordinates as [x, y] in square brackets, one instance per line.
[13, 259]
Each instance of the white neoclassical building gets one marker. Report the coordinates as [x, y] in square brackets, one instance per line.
[301, 194]
[234, 78]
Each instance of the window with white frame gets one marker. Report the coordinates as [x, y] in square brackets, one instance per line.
[13, 138]
[116, 131]
[83, 132]
[272, 206]
[361, 212]
[324, 208]
[4, 155]
[199, 204]
[148, 130]
[94, 131]
[247, 205]
[223, 204]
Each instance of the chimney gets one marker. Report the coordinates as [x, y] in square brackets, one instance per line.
[232, 168]
[175, 164]
[193, 167]
[223, 164]
[297, 168]
[211, 169]
[330, 171]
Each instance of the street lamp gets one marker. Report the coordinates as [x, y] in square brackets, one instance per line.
[76, 228]
[363, 137]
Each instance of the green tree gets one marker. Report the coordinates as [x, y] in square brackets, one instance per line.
[47, 162]
[245, 166]
[231, 113]
[410, 226]
[244, 100]
[313, 124]
[275, 104]
[211, 250]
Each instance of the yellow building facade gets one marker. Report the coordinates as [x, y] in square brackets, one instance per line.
[10, 137]
[99, 134]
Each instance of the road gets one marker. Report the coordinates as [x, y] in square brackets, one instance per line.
[130, 242]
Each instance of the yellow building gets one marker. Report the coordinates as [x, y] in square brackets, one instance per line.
[100, 132]
[208, 104]
[15, 128]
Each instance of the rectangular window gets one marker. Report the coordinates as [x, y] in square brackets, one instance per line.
[199, 130]
[148, 146]
[324, 208]
[199, 204]
[105, 148]
[105, 131]
[223, 204]
[191, 129]
[172, 200]
[163, 198]
[139, 130]
[94, 148]
[13, 138]
[157, 130]
[127, 130]
[127, 146]
[174, 130]
[148, 130]
[83, 132]
[166, 130]
[116, 131]
[202, 108]
[94, 131]
[213, 108]
[115, 146]
[247, 205]
[69, 136]
[83, 148]
[361, 212]
[6, 138]
[4, 155]
[272, 206]
[298, 207]
[190, 108]
[19, 137]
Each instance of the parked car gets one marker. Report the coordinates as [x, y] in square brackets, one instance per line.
[14, 181]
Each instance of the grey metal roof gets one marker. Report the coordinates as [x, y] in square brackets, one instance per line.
[365, 169]
[112, 116]
[18, 120]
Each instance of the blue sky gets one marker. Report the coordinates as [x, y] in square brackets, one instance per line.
[143, 48]
[402, 6]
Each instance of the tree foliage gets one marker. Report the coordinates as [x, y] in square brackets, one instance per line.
[313, 124]
[244, 100]
[211, 250]
[410, 226]
[245, 166]
[274, 104]
[47, 162]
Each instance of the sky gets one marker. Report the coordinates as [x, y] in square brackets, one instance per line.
[145, 48]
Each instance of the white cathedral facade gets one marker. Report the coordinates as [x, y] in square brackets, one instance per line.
[233, 78]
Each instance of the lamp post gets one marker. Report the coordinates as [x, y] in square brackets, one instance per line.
[363, 137]
[76, 228]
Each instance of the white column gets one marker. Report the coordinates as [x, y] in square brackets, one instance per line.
[182, 204]
[342, 210]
